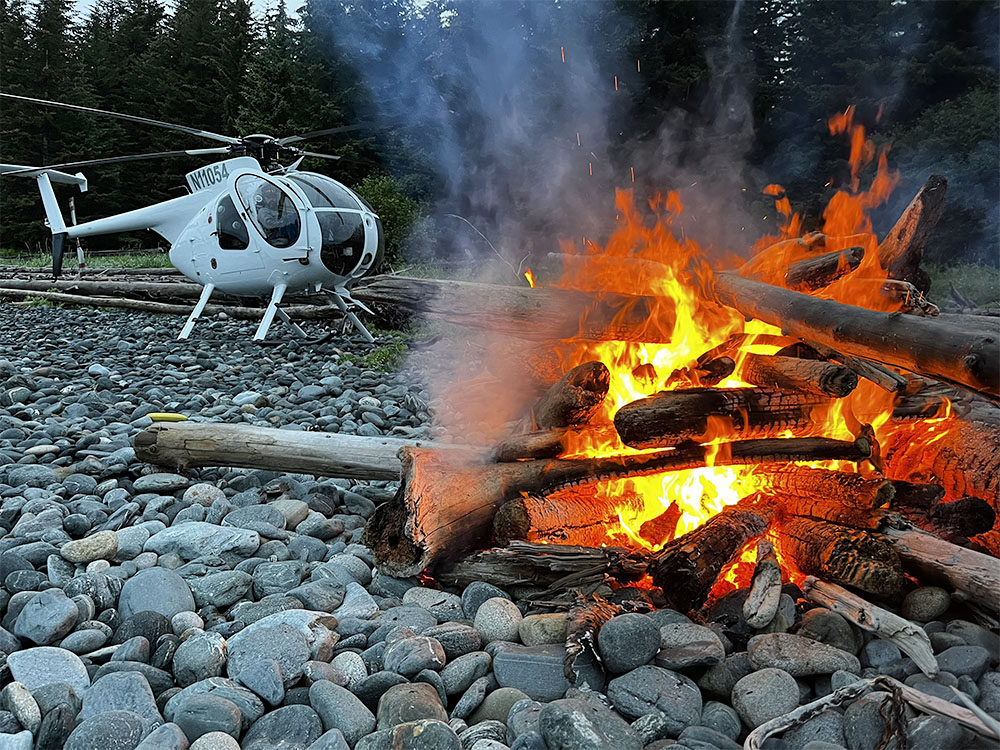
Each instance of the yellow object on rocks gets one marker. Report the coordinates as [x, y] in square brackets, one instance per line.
[167, 417]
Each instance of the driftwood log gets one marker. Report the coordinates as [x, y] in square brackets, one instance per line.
[791, 373]
[911, 639]
[688, 567]
[761, 603]
[182, 445]
[902, 249]
[445, 504]
[568, 517]
[922, 345]
[542, 314]
[850, 557]
[934, 560]
[670, 417]
[814, 273]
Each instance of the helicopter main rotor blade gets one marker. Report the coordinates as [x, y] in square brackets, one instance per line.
[320, 156]
[119, 115]
[318, 133]
[116, 160]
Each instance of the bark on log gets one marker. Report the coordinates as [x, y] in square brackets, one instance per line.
[815, 273]
[839, 486]
[542, 314]
[850, 557]
[242, 313]
[934, 560]
[573, 399]
[902, 249]
[182, 445]
[911, 639]
[761, 603]
[671, 417]
[567, 517]
[808, 375]
[687, 568]
[555, 566]
[923, 345]
[535, 444]
[445, 505]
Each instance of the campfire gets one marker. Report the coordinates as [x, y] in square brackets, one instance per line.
[806, 417]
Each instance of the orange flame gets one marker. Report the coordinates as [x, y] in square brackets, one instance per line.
[530, 277]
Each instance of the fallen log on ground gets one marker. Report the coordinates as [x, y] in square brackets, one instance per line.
[446, 505]
[814, 273]
[173, 290]
[934, 560]
[543, 314]
[911, 639]
[911, 696]
[182, 445]
[304, 312]
[93, 271]
[688, 567]
[670, 417]
[850, 557]
[902, 249]
[923, 345]
[808, 375]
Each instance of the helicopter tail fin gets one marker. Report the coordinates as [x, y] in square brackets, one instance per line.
[58, 247]
[55, 220]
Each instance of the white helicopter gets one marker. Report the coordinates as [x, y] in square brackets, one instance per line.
[244, 229]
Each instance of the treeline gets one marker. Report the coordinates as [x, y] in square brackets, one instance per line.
[520, 116]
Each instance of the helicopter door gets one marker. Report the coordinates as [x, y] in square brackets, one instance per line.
[270, 209]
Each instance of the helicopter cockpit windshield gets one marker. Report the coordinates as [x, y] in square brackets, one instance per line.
[341, 222]
[270, 209]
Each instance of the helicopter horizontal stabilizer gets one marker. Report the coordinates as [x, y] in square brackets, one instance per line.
[54, 175]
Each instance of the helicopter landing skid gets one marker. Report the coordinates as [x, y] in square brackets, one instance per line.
[295, 326]
[199, 308]
[358, 325]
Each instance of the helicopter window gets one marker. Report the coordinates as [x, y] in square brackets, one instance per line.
[343, 240]
[323, 192]
[270, 209]
[232, 232]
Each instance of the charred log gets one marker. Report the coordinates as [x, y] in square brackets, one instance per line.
[815, 273]
[923, 345]
[808, 375]
[838, 486]
[902, 249]
[688, 567]
[850, 557]
[761, 603]
[671, 417]
[573, 399]
[568, 517]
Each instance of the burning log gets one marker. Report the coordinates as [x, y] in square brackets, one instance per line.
[670, 417]
[444, 505]
[542, 314]
[839, 486]
[923, 345]
[761, 604]
[535, 444]
[809, 375]
[568, 517]
[902, 249]
[687, 567]
[935, 560]
[705, 372]
[573, 399]
[911, 639]
[956, 521]
[657, 530]
[815, 273]
[583, 622]
[182, 445]
[850, 557]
